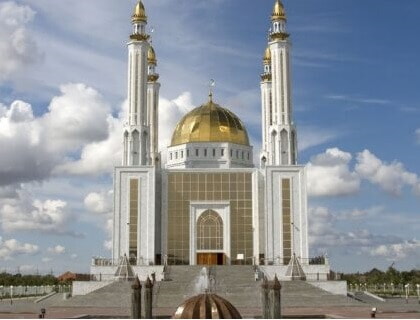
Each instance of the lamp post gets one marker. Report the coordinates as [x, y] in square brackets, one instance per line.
[11, 294]
[392, 288]
[407, 292]
[418, 292]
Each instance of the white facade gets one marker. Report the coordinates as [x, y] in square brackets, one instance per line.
[157, 211]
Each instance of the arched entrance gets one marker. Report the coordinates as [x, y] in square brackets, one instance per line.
[210, 239]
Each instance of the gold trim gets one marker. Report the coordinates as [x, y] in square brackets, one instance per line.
[152, 77]
[266, 77]
[279, 36]
[139, 37]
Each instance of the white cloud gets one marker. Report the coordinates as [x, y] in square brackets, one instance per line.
[101, 157]
[99, 202]
[170, 113]
[329, 174]
[324, 233]
[17, 46]
[26, 213]
[27, 269]
[390, 177]
[73, 256]
[76, 117]
[58, 249]
[98, 157]
[397, 251]
[46, 259]
[11, 248]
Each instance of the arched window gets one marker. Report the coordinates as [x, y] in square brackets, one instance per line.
[210, 231]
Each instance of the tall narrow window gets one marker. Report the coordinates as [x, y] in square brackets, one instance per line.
[188, 152]
[223, 152]
[287, 223]
[214, 152]
[210, 231]
[134, 213]
[182, 154]
[205, 152]
[196, 152]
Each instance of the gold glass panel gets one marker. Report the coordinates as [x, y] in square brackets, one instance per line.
[133, 220]
[214, 186]
[286, 214]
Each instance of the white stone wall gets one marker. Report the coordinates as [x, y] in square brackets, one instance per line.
[334, 287]
[147, 229]
[185, 156]
[81, 288]
[273, 213]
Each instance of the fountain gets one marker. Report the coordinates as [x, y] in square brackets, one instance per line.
[202, 283]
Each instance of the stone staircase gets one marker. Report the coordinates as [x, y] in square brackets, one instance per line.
[235, 283]
[115, 295]
[303, 294]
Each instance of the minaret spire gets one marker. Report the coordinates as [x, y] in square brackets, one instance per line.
[153, 87]
[279, 133]
[137, 130]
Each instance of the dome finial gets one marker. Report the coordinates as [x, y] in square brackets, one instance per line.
[211, 86]
[278, 11]
[139, 14]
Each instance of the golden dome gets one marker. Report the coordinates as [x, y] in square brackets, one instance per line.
[267, 55]
[151, 56]
[206, 306]
[278, 11]
[139, 14]
[210, 123]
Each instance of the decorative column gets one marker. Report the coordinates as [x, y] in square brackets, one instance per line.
[148, 299]
[136, 299]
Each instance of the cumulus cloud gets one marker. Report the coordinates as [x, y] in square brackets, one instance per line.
[99, 202]
[332, 174]
[170, 112]
[396, 251]
[323, 232]
[11, 248]
[20, 134]
[329, 174]
[389, 177]
[37, 145]
[26, 213]
[17, 46]
[58, 249]
[76, 117]
[101, 157]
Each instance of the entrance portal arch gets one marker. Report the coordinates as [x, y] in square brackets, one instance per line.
[209, 232]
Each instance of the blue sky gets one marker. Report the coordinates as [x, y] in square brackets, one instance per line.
[355, 96]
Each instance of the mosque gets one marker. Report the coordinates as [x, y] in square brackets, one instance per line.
[210, 204]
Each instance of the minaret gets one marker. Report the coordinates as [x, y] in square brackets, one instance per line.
[137, 129]
[153, 87]
[279, 132]
[266, 103]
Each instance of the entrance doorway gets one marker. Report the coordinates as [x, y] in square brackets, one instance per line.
[210, 258]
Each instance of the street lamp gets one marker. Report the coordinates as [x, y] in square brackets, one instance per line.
[11, 294]
[418, 292]
[407, 292]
